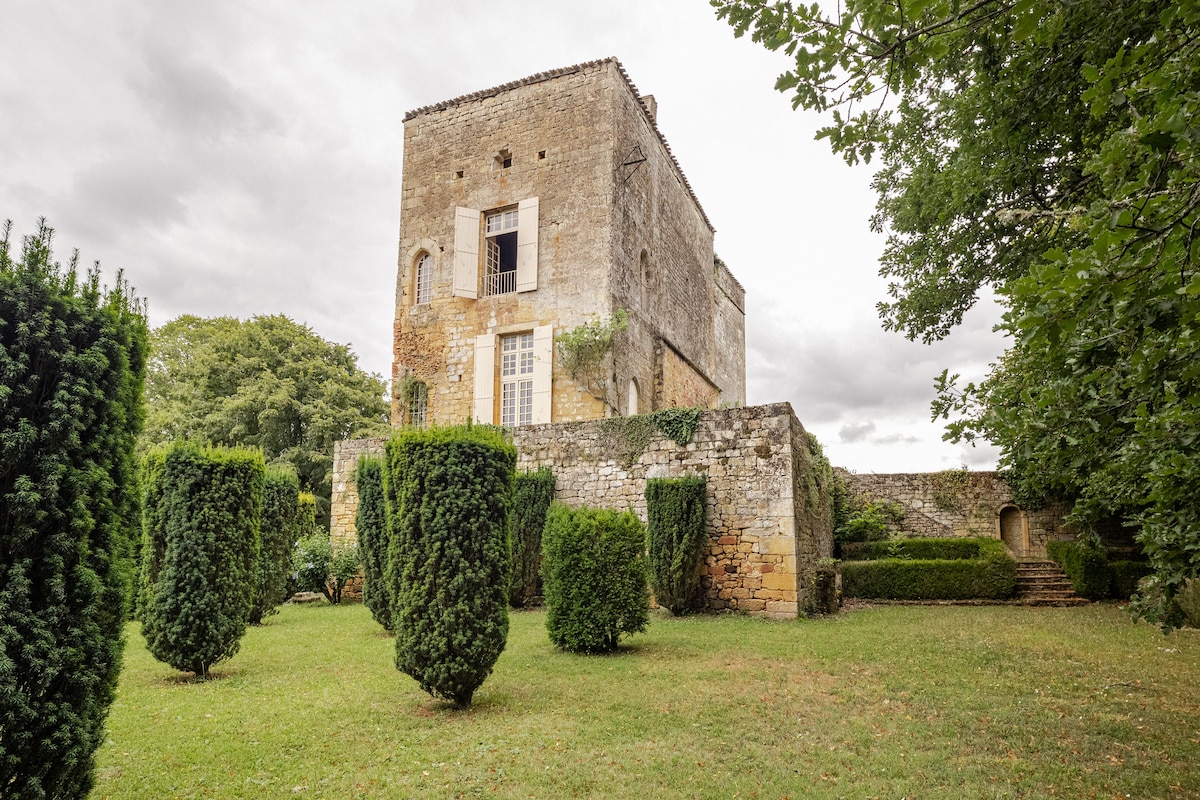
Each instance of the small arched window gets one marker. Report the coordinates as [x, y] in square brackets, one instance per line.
[423, 279]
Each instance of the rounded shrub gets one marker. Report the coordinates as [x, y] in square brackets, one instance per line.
[206, 527]
[281, 507]
[370, 521]
[594, 567]
[677, 538]
[448, 558]
[72, 367]
[532, 494]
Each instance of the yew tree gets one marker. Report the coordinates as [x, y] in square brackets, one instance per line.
[1046, 151]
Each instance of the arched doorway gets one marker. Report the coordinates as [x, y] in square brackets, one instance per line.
[633, 396]
[1012, 530]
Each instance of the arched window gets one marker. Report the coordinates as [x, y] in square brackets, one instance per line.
[423, 279]
[415, 395]
[633, 397]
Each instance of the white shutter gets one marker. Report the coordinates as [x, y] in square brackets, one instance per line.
[527, 244]
[543, 360]
[466, 253]
[485, 379]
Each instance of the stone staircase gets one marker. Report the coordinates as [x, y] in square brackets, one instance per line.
[1043, 583]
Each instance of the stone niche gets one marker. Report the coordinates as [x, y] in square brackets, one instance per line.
[768, 507]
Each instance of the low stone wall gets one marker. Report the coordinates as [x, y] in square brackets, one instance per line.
[768, 513]
[343, 500]
[962, 503]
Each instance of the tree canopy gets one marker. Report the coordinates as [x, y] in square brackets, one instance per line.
[266, 382]
[1047, 151]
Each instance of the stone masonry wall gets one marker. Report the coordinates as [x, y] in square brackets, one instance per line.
[960, 503]
[767, 517]
[343, 501]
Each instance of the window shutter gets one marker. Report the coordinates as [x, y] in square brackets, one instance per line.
[527, 244]
[485, 379]
[543, 360]
[466, 253]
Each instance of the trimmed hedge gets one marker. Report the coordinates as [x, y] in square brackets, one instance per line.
[991, 576]
[1095, 577]
[449, 558]
[925, 549]
[72, 368]
[203, 539]
[594, 566]
[281, 511]
[677, 538]
[532, 494]
[370, 521]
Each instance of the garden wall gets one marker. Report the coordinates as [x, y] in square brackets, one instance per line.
[962, 503]
[768, 508]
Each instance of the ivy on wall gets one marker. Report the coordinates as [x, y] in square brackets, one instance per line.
[629, 436]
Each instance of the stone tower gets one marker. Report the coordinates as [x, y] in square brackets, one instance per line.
[532, 208]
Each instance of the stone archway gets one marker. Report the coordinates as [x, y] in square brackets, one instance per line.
[1012, 530]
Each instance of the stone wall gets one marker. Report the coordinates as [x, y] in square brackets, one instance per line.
[343, 501]
[768, 514]
[962, 503]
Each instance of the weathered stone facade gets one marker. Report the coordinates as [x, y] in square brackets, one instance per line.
[962, 503]
[571, 166]
[768, 514]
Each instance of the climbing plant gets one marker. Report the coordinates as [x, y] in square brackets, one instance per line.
[583, 353]
[627, 437]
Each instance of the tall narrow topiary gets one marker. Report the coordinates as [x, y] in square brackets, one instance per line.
[532, 495]
[448, 560]
[208, 521]
[371, 523]
[281, 507]
[677, 539]
[595, 578]
[72, 367]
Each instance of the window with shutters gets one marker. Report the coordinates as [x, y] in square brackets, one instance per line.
[516, 379]
[509, 259]
[423, 279]
[500, 265]
[518, 365]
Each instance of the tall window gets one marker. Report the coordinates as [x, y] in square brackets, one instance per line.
[516, 379]
[500, 276]
[416, 394]
[423, 280]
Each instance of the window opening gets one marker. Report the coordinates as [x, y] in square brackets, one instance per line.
[458, 174]
[541, 154]
[416, 395]
[503, 159]
[516, 379]
[500, 275]
[423, 281]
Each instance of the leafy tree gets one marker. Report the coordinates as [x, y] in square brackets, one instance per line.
[584, 353]
[1047, 151]
[449, 557]
[266, 382]
[594, 562]
[201, 552]
[371, 523]
[532, 494]
[677, 539]
[72, 365]
[281, 511]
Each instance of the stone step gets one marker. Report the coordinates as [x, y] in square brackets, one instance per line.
[1044, 583]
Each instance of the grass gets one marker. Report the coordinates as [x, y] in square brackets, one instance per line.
[917, 702]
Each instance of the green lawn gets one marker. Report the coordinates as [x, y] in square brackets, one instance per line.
[917, 702]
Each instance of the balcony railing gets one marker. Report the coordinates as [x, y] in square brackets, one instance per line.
[499, 283]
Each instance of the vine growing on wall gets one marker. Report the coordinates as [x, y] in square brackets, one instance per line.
[583, 353]
[948, 489]
[629, 436]
[414, 400]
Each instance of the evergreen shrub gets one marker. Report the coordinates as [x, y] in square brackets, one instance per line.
[594, 569]
[532, 494]
[206, 527]
[1126, 575]
[677, 540]
[449, 558]
[1086, 566]
[921, 548]
[991, 576]
[72, 368]
[370, 521]
[867, 521]
[281, 510]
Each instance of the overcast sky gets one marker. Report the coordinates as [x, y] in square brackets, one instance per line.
[244, 158]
